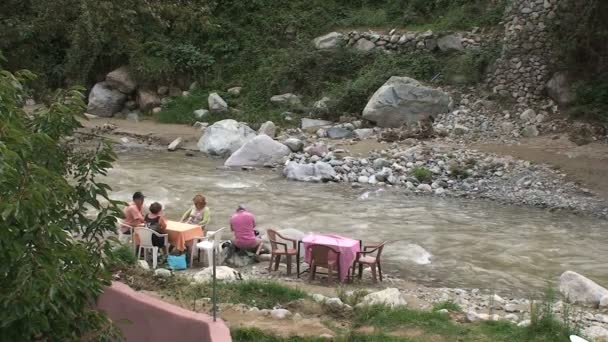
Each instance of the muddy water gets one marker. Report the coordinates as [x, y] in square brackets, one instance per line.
[473, 244]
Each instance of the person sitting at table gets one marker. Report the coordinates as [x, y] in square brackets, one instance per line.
[199, 213]
[156, 221]
[134, 214]
[242, 224]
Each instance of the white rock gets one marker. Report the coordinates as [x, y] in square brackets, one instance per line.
[507, 127]
[104, 101]
[450, 42]
[156, 110]
[425, 188]
[174, 144]
[318, 149]
[280, 314]
[597, 333]
[225, 137]
[528, 115]
[329, 41]
[364, 45]
[390, 297]
[322, 106]
[235, 91]
[125, 140]
[120, 79]
[286, 100]
[163, 273]
[581, 290]
[143, 264]
[259, 151]
[319, 298]
[295, 145]
[559, 88]
[524, 323]
[364, 133]
[147, 99]
[512, 317]
[404, 100]
[498, 299]
[334, 303]
[530, 131]
[268, 128]
[316, 172]
[510, 308]
[201, 113]
[363, 179]
[604, 302]
[311, 125]
[439, 191]
[217, 103]
[223, 273]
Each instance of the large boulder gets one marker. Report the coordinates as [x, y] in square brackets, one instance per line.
[104, 101]
[288, 100]
[259, 151]
[560, 90]
[223, 273]
[364, 45]
[404, 100]
[390, 297]
[580, 290]
[450, 42]
[121, 80]
[316, 172]
[217, 103]
[224, 137]
[147, 100]
[294, 144]
[329, 41]
[268, 128]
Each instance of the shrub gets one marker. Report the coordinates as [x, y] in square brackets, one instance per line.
[122, 256]
[423, 174]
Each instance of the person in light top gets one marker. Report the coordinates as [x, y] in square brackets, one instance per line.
[242, 224]
[134, 213]
[199, 213]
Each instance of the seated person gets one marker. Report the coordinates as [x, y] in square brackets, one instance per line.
[134, 214]
[242, 223]
[155, 221]
[199, 213]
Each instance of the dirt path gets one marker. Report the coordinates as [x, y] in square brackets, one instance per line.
[586, 164]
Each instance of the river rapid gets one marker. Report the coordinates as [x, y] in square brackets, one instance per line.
[473, 244]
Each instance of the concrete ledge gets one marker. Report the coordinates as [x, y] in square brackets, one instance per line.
[144, 318]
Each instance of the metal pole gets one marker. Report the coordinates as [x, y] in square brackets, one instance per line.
[214, 294]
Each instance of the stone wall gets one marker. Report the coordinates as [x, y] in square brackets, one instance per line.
[528, 55]
[412, 41]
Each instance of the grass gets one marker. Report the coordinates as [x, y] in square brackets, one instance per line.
[122, 256]
[423, 174]
[448, 305]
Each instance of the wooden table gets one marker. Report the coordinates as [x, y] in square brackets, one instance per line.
[180, 233]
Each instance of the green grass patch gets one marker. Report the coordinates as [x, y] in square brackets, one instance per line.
[122, 256]
[423, 174]
[448, 305]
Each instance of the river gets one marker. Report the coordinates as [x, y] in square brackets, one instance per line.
[473, 243]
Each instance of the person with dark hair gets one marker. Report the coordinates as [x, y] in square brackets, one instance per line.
[134, 214]
[155, 221]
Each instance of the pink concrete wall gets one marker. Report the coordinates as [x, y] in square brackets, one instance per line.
[144, 318]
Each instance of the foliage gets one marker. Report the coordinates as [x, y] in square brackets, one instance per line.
[121, 256]
[591, 99]
[52, 245]
[423, 174]
[469, 67]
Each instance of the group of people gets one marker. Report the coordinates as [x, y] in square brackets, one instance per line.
[242, 222]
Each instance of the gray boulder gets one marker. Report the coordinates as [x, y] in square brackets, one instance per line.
[321, 106]
[390, 297]
[404, 100]
[288, 100]
[559, 89]
[530, 131]
[235, 91]
[147, 99]
[268, 128]
[162, 273]
[104, 101]
[259, 151]
[217, 103]
[223, 273]
[581, 290]
[294, 144]
[329, 41]
[318, 149]
[121, 80]
[364, 45]
[200, 113]
[224, 137]
[316, 172]
[338, 133]
[311, 125]
[364, 133]
[450, 42]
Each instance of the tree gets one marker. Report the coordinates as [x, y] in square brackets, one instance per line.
[54, 214]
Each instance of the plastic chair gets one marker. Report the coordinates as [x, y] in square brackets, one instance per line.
[322, 256]
[145, 243]
[365, 259]
[122, 237]
[276, 252]
[208, 246]
[574, 338]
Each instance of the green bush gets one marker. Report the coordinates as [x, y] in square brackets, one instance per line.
[423, 174]
[448, 305]
[122, 256]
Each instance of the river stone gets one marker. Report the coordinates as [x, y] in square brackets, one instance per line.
[147, 99]
[331, 40]
[596, 333]
[235, 91]
[390, 297]
[162, 273]
[268, 128]
[581, 290]
[294, 144]
[364, 133]
[224, 137]
[174, 144]
[321, 106]
[121, 80]
[280, 314]
[559, 89]
[318, 149]
[507, 127]
[217, 103]
[404, 100]
[259, 151]
[450, 42]
[201, 113]
[425, 188]
[319, 298]
[223, 273]
[364, 45]
[334, 303]
[416, 254]
[311, 125]
[529, 131]
[316, 172]
[104, 101]
[143, 264]
[288, 100]
[338, 133]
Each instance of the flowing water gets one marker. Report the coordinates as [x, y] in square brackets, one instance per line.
[472, 243]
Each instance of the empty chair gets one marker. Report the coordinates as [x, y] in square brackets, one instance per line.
[145, 243]
[279, 249]
[366, 258]
[208, 244]
[326, 257]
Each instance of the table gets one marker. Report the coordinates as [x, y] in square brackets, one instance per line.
[180, 233]
[348, 249]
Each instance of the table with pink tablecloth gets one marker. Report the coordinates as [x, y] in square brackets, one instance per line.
[348, 249]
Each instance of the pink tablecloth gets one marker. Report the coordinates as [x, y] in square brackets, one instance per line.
[348, 249]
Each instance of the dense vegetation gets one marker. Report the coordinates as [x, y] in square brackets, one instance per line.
[53, 252]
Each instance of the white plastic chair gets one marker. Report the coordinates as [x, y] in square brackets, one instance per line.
[208, 245]
[574, 338]
[145, 243]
